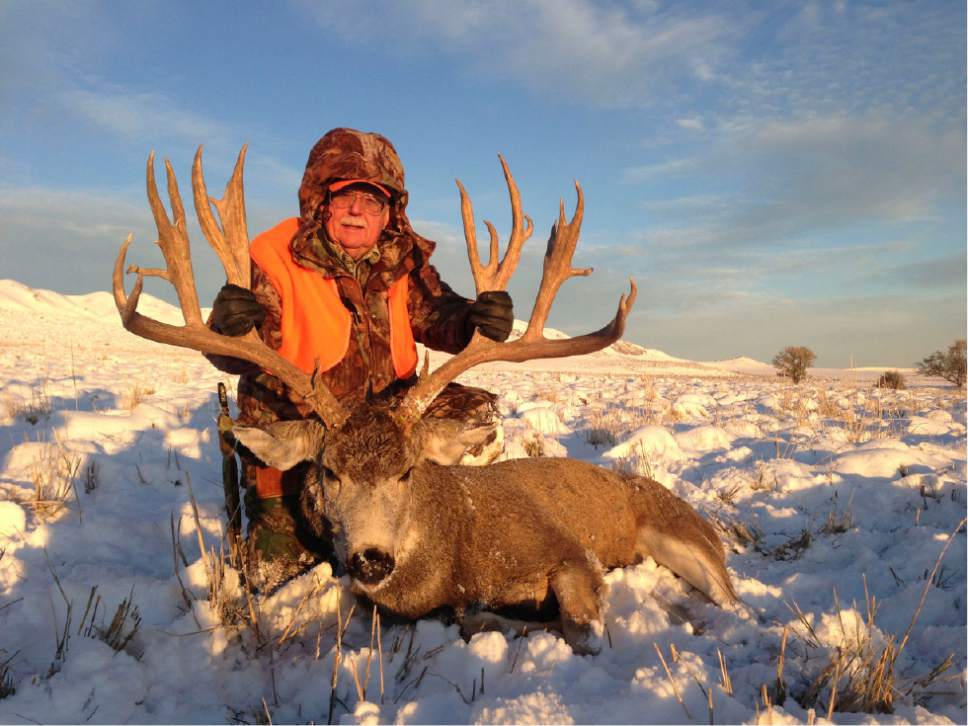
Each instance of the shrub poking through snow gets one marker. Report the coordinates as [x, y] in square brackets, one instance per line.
[123, 626]
[53, 478]
[792, 362]
[37, 409]
[891, 379]
[949, 365]
[6, 679]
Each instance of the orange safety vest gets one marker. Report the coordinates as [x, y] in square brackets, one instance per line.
[315, 324]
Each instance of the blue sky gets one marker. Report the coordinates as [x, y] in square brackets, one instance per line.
[771, 174]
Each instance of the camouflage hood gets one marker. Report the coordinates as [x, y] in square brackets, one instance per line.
[350, 154]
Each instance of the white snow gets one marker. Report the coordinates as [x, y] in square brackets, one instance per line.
[829, 495]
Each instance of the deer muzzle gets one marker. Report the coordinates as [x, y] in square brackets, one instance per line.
[370, 565]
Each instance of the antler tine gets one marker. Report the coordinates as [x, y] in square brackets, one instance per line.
[557, 264]
[519, 234]
[496, 273]
[533, 344]
[470, 236]
[228, 242]
[173, 241]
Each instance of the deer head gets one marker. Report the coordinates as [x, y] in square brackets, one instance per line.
[364, 463]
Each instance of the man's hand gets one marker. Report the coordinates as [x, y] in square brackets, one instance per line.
[236, 311]
[493, 314]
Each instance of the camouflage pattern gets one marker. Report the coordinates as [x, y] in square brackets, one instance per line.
[277, 547]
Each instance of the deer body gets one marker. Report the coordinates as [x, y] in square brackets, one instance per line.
[416, 536]
[497, 533]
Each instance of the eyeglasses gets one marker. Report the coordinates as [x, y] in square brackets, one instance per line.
[370, 203]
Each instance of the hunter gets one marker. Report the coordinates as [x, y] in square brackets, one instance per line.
[346, 289]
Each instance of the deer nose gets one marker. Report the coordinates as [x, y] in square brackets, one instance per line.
[370, 566]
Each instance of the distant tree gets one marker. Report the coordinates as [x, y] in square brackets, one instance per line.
[949, 365]
[891, 379]
[792, 362]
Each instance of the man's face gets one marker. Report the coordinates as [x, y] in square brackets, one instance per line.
[355, 217]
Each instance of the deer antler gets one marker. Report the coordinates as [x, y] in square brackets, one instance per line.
[495, 275]
[532, 344]
[230, 240]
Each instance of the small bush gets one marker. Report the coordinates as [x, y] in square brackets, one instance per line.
[950, 365]
[7, 687]
[891, 379]
[533, 447]
[792, 362]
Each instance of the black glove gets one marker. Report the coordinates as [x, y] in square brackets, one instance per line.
[493, 314]
[236, 311]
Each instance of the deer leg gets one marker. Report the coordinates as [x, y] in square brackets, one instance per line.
[690, 555]
[481, 621]
[579, 587]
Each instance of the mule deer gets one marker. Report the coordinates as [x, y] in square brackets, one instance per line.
[414, 533]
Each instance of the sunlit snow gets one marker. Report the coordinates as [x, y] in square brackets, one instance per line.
[834, 499]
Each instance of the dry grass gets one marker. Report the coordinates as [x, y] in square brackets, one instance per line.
[224, 601]
[859, 675]
[637, 462]
[53, 475]
[37, 409]
[838, 522]
[826, 406]
[604, 429]
[533, 446]
[7, 687]
[136, 395]
[124, 624]
[547, 394]
[92, 476]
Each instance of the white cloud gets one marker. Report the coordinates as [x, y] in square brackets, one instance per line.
[139, 114]
[80, 233]
[644, 172]
[582, 50]
[793, 179]
[693, 123]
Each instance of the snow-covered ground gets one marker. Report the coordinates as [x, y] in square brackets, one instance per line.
[835, 500]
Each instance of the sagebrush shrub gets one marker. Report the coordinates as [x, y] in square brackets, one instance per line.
[891, 379]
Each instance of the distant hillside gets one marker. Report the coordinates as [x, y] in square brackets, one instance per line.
[94, 305]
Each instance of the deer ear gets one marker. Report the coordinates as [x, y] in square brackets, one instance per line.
[284, 444]
[445, 441]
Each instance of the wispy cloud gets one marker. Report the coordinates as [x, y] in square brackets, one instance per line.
[80, 232]
[672, 167]
[604, 54]
[934, 274]
[139, 114]
[794, 179]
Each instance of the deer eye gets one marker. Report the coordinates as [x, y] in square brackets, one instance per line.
[330, 475]
[406, 475]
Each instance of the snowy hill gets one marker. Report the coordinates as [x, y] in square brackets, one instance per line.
[94, 317]
[98, 306]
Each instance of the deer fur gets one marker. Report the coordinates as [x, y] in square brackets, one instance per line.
[508, 535]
